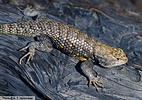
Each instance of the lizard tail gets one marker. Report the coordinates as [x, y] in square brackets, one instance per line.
[27, 28]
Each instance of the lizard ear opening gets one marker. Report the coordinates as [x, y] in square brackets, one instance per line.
[96, 61]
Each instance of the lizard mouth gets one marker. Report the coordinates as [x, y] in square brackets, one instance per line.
[109, 64]
[125, 60]
[113, 64]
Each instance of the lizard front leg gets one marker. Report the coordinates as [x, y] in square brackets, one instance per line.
[86, 67]
[42, 45]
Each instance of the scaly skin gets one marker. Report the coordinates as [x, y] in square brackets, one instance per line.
[68, 40]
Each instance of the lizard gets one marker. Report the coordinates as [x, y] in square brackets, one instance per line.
[69, 40]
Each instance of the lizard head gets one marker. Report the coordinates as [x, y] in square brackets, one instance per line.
[112, 57]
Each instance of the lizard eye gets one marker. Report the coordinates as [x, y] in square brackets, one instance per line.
[118, 58]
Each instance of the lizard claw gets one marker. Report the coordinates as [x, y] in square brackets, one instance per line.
[30, 53]
[96, 83]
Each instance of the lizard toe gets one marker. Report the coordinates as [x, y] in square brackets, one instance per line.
[30, 53]
[95, 81]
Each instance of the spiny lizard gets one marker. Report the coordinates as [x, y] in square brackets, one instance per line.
[68, 40]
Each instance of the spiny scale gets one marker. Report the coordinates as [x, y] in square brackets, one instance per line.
[27, 28]
[67, 39]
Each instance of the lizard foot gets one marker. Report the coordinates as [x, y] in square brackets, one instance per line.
[30, 53]
[96, 83]
[86, 67]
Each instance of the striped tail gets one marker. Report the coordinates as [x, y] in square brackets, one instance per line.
[27, 28]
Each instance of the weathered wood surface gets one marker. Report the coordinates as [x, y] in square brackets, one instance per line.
[57, 76]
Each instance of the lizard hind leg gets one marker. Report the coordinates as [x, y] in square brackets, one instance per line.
[44, 45]
[31, 52]
[86, 67]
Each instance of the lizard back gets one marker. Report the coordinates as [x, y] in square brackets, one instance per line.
[70, 40]
[67, 39]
